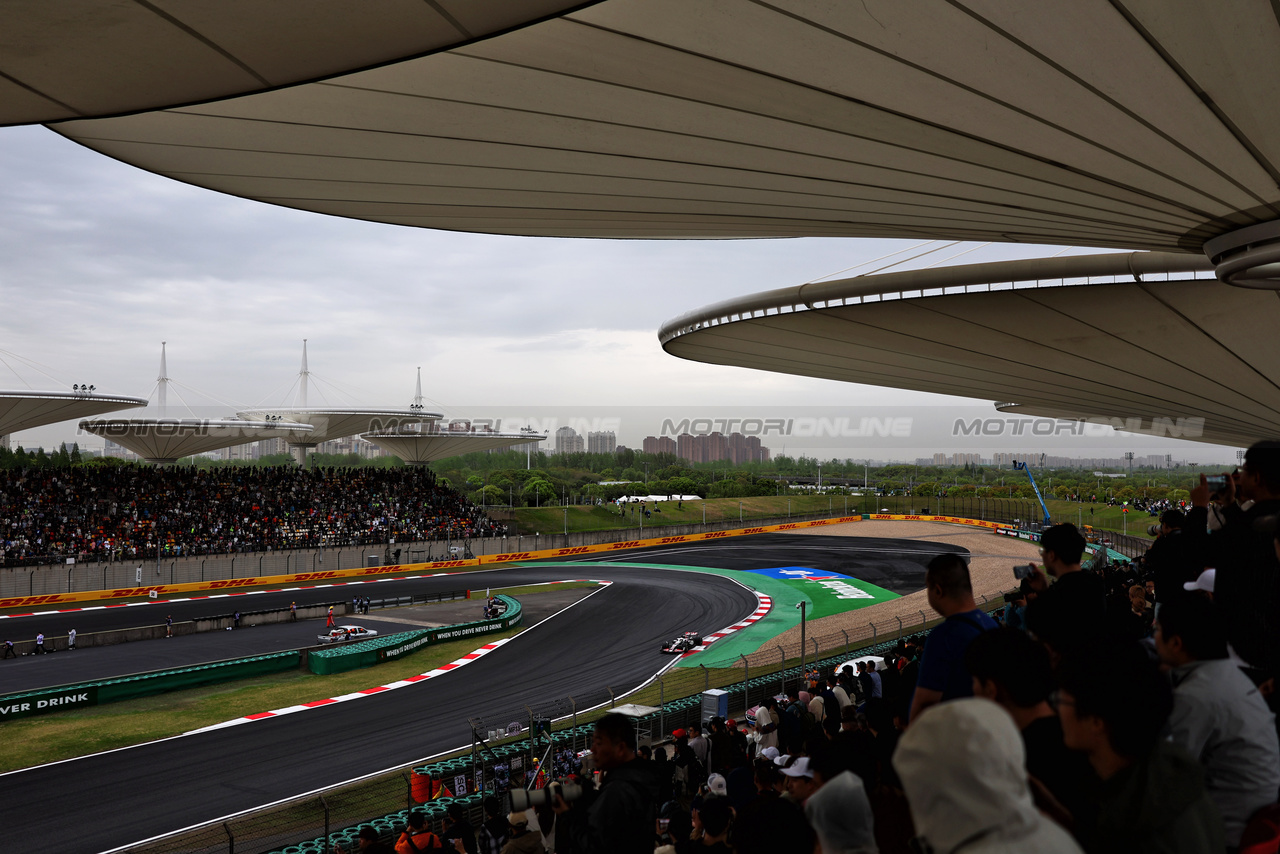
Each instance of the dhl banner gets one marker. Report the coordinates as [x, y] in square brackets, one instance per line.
[339, 575]
[954, 520]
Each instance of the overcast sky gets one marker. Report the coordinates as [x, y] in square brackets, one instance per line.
[100, 262]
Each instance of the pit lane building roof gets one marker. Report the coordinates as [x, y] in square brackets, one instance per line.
[25, 410]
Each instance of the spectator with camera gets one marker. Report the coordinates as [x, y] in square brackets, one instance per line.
[620, 817]
[1171, 561]
[1113, 704]
[458, 830]
[942, 672]
[1218, 714]
[1073, 608]
[1243, 551]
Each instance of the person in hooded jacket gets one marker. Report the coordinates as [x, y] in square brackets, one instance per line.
[621, 817]
[964, 771]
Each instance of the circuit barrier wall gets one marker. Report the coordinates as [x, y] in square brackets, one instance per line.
[104, 691]
[376, 650]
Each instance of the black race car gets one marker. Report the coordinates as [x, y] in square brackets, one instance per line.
[684, 643]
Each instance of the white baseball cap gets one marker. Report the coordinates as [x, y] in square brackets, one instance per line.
[769, 753]
[1204, 582]
[799, 769]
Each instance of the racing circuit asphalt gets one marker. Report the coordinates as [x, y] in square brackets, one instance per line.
[610, 638]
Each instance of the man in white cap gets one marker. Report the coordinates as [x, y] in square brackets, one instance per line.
[522, 840]
[799, 779]
[964, 772]
[1203, 584]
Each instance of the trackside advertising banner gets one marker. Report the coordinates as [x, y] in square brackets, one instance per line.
[19, 706]
[444, 565]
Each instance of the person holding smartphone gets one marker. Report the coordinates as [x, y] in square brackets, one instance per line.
[1247, 582]
[1073, 609]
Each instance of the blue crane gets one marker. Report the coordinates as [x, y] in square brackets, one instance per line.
[1022, 466]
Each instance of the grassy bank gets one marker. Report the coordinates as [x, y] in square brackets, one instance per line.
[64, 735]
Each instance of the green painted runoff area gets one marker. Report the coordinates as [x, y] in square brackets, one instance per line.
[821, 601]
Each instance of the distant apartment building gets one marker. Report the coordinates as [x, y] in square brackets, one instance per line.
[602, 443]
[569, 442]
[658, 445]
[119, 452]
[709, 447]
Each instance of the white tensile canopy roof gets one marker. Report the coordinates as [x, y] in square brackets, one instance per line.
[330, 424]
[76, 58]
[1136, 124]
[1106, 338]
[166, 440]
[25, 410]
[419, 448]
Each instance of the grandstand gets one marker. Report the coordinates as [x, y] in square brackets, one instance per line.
[129, 512]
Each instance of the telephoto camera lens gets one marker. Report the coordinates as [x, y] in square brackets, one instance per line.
[523, 799]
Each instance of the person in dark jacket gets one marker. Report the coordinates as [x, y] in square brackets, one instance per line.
[1247, 585]
[665, 773]
[1074, 608]
[1150, 795]
[495, 830]
[620, 818]
[458, 827]
[1171, 558]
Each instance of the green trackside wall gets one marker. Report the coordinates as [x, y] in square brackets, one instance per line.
[375, 650]
[103, 691]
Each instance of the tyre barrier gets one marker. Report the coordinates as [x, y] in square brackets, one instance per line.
[102, 691]
[350, 656]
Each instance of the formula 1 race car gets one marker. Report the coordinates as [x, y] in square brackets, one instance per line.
[346, 633]
[684, 643]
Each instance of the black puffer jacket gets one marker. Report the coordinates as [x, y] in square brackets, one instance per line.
[621, 817]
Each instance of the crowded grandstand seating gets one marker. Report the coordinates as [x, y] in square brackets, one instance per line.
[99, 513]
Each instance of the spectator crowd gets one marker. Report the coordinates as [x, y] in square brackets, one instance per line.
[1110, 709]
[128, 512]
